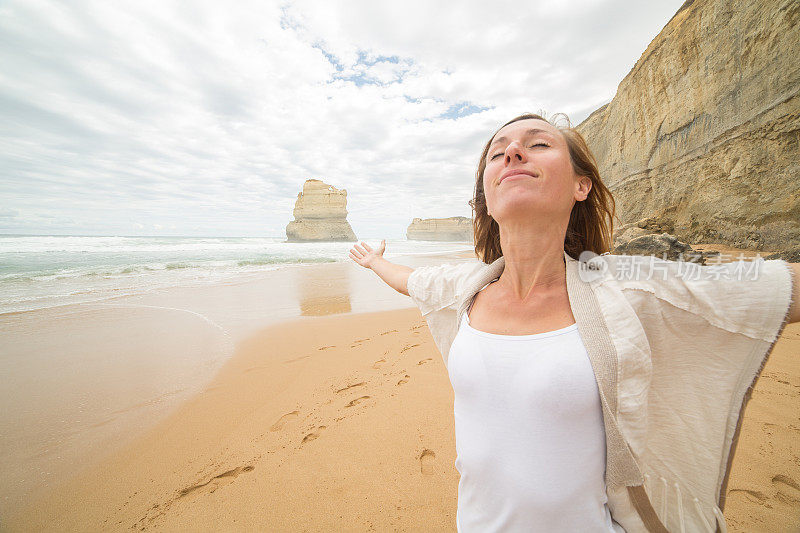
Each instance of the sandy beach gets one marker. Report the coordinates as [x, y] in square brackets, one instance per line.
[327, 423]
[83, 380]
[344, 421]
[188, 340]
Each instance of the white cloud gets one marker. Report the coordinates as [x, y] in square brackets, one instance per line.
[206, 118]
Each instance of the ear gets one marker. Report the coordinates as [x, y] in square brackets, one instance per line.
[584, 185]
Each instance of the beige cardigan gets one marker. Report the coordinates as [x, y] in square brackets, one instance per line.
[675, 359]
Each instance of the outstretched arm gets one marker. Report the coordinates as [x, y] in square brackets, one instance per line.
[396, 276]
[794, 311]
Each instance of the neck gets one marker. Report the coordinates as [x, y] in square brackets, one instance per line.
[534, 258]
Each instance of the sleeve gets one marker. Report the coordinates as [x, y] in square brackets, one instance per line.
[432, 288]
[709, 330]
[747, 297]
[751, 298]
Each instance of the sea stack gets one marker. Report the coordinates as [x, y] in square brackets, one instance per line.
[453, 229]
[320, 214]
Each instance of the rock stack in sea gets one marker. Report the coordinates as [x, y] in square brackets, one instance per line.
[454, 229]
[702, 135]
[651, 237]
[320, 214]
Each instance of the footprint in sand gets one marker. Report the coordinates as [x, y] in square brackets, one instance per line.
[387, 332]
[326, 347]
[779, 377]
[313, 435]
[351, 386]
[754, 494]
[408, 347]
[427, 460]
[425, 361]
[214, 483]
[296, 359]
[358, 342]
[377, 363]
[788, 490]
[278, 425]
[404, 380]
[356, 401]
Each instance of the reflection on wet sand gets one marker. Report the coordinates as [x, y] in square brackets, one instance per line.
[323, 291]
[87, 378]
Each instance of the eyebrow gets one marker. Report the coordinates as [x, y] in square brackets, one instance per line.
[532, 131]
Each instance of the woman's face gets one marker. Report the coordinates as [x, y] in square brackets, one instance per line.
[528, 170]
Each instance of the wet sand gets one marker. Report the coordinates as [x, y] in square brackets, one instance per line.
[80, 381]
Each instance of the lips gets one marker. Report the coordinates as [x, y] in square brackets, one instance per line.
[517, 172]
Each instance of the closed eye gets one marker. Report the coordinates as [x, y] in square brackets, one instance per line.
[501, 153]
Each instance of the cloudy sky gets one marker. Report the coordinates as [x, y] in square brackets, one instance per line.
[205, 118]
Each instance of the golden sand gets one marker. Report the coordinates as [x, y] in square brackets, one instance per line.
[345, 422]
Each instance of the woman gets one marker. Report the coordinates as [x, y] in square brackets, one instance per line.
[578, 406]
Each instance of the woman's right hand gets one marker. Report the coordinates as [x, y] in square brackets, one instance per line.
[366, 255]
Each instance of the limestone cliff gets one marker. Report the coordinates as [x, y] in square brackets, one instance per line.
[703, 132]
[320, 214]
[455, 229]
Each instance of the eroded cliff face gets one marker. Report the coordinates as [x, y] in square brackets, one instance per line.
[703, 132]
[454, 229]
[320, 214]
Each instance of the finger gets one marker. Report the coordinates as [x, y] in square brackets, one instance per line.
[360, 249]
[366, 247]
[356, 253]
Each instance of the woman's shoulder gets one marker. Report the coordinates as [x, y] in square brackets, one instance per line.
[438, 286]
[449, 273]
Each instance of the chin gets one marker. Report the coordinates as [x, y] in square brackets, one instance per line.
[522, 205]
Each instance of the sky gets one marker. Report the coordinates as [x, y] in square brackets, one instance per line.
[205, 118]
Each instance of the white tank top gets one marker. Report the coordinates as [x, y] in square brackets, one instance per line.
[530, 439]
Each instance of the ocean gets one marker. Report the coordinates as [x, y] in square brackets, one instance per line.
[38, 272]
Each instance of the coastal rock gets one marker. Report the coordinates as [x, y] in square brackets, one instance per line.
[320, 214]
[655, 225]
[663, 246]
[454, 229]
[790, 256]
[627, 233]
[701, 136]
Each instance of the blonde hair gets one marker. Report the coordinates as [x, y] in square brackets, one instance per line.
[590, 222]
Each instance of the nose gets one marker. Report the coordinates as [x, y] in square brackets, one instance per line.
[514, 152]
